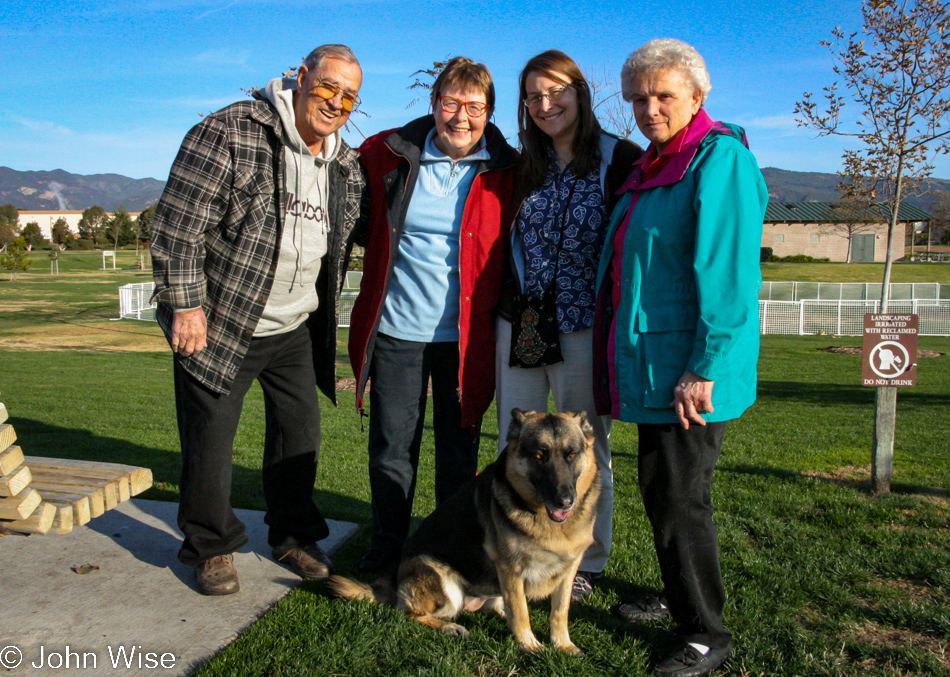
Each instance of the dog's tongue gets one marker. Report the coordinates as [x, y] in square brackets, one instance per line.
[560, 515]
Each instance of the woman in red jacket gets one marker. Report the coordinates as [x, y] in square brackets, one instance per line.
[440, 191]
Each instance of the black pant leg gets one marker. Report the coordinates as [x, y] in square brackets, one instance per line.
[292, 441]
[456, 448]
[398, 389]
[207, 422]
[675, 470]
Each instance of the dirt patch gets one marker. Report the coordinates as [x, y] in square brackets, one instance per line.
[21, 305]
[887, 638]
[852, 350]
[348, 385]
[852, 476]
[859, 478]
[917, 590]
[119, 337]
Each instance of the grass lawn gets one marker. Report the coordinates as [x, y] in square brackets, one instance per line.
[822, 578]
[855, 272]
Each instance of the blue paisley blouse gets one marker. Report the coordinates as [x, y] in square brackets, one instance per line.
[545, 218]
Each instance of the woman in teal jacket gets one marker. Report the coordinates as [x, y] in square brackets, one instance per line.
[677, 329]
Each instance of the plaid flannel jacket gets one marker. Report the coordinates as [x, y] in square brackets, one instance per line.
[216, 235]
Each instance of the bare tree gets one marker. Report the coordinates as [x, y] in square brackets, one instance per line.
[428, 78]
[853, 216]
[940, 225]
[895, 70]
[614, 114]
[292, 73]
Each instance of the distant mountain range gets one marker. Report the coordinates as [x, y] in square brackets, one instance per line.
[59, 189]
[788, 186]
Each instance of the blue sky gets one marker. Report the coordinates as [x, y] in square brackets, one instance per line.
[96, 86]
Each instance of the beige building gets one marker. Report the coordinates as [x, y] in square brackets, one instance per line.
[821, 230]
[46, 219]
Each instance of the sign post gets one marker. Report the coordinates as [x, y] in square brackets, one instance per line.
[889, 361]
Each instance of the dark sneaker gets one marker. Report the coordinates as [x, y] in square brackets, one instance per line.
[217, 576]
[643, 610]
[687, 661]
[307, 561]
[584, 584]
[375, 562]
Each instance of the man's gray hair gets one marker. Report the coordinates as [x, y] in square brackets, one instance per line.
[313, 60]
[661, 54]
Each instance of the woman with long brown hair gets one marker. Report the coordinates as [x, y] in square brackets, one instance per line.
[568, 173]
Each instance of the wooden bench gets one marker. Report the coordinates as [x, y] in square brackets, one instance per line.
[40, 495]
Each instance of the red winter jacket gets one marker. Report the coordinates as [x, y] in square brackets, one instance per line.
[391, 160]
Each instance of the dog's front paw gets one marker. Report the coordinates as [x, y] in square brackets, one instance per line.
[455, 630]
[530, 644]
[569, 648]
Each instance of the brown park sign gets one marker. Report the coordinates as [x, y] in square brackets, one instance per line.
[890, 350]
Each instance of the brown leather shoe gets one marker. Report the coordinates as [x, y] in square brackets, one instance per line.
[217, 576]
[307, 561]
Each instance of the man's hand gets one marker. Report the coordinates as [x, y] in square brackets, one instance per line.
[692, 396]
[189, 332]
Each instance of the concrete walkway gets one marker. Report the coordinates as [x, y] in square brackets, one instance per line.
[140, 612]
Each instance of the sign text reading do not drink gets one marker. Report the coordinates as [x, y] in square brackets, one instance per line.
[890, 350]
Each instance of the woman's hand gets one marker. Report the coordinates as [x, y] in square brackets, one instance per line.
[691, 397]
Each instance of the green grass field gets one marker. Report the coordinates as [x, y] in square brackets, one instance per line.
[822, 578]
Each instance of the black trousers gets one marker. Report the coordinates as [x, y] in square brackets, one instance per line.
[207, 423]
[676, 469]
[399, 376]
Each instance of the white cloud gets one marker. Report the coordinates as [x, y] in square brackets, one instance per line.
[217, 9]
[43, 126]
[137, 153]
[197, 104]
[221, 57]
[777, 122]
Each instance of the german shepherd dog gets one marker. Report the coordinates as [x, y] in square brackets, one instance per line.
[514, 533]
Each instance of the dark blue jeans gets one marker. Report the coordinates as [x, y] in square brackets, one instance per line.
[207, 423]
[676, 469]
[399, 378]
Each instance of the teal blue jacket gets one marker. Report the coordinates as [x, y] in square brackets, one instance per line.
[690, 281]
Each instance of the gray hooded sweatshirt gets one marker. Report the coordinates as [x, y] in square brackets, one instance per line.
[303, 241]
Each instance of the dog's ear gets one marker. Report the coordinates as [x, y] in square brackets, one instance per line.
[514, 429]
[582, 421]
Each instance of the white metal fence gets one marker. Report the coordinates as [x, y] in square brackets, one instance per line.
[347, 299]
[135, 303]
[852, 291]
[806, 316]
[846, 318]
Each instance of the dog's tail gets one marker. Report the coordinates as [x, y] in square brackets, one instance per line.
[381, 591]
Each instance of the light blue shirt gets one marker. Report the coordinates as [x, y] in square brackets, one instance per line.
[422, 303]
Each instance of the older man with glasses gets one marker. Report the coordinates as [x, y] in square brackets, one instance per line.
[249, 248]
